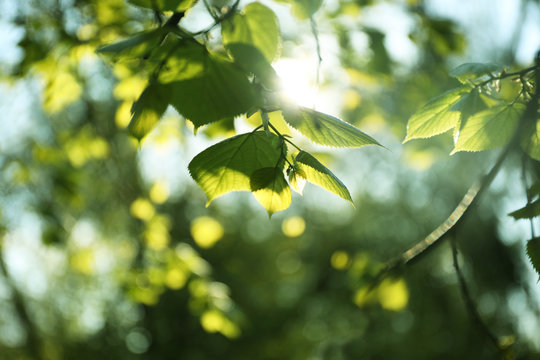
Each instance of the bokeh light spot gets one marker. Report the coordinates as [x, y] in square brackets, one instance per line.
[206, 231]
[293, 226]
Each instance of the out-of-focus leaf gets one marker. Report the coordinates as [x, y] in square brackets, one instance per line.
[136, 46]
[271, 189]
[318, 174]
[490, 128]
[533, 252]
[228, 166]
[470, 71]
[304, 9]
[297, 178]
[204, 86]
[531, 144]
[165, 5]
[148, 109]
[257, 26]
[436, 116]
[527, 212]
[324, 129]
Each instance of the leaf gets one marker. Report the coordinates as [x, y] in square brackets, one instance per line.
[318, 174]
[490, 128]
[533, 252]
[436, 116]
[257, 26]
[253, 39]
[228, 165]
[304, 9]
[297, 178]
[271, 189]
[527, 212]
[470, 71]
[531, 144]
[324, 129]
[206, 87]
[165, 5]
[148, 109]
[136, 46]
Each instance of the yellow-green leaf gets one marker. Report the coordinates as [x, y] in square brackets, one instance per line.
[318, 174]
[148, 109]
[490, 128]
[228, 166]
[165, 5]
[324, 129]
[271, 189]
[436, 116]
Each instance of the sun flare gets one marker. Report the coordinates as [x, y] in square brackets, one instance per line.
[298, 80]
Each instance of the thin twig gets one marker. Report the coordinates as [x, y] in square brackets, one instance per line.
[467, 299]
[315, 33]
[524, 180]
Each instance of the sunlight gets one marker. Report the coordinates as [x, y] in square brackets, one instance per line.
[298, 79]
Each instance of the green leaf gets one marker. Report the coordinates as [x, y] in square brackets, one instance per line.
[204, 86]
[533, 252]
[257, 26]
[165, 5]
[531, 144]
[304, 9]
[318, 174]
[490, 128]
[470, 71]
[297, 178]
[136, 46]
[228, 166]
[527, 212]
[253, 39]
[148, 109]
[271, 189]
[436, 116]
[324, 129]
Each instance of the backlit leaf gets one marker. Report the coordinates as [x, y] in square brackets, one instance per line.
[490, 128]
[533, 252]
[436, 116]
[531, 144]
[470, 71]
[148, 109]
[324, 129]
[257, 26]
[318, 174]
[304, 9]
[204, 86]
[271, 189]
[297, 178]
[228, 166]
[165, 5]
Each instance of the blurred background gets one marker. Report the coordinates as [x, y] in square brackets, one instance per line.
[108, 250]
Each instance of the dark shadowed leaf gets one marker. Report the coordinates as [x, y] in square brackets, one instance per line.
[533, 252]
[137, 46]
[204, 86]
[165, 5]
[148, 109]
[527, 212]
